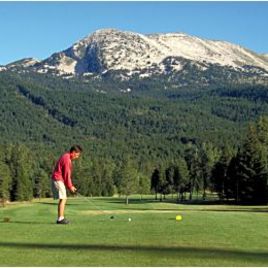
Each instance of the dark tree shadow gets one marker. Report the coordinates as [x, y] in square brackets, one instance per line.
[172, 251]
[28, 222]
[56, 204]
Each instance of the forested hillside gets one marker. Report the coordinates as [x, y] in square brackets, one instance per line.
[121, 132]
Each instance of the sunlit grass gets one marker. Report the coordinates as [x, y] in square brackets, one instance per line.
[100, 234]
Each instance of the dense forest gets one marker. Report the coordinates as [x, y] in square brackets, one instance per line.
[154, 139]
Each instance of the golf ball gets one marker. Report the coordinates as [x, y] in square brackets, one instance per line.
[178, 218]
[129, 219]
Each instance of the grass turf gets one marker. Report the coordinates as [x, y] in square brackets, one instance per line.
[208, 235]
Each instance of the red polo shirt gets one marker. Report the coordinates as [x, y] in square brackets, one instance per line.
[63, 170]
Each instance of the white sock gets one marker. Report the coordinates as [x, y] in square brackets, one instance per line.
[60, 218]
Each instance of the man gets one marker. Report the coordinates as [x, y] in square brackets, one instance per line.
[61, 178]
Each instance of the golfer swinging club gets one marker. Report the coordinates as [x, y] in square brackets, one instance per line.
[61, 178]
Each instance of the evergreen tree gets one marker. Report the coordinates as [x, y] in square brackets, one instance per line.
[251, 172]
[129, 178]
[155, 179]
[219, 175]
[108, 181]
[5, 181]
[209, 155]
[42, 184]
[231, 185]
[162, 184]
[143, 185]
[169, 180]
[193, 160]
[5, 173]
[21, 164]
[181, 178]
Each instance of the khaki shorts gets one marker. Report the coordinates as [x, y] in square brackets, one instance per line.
[58, 189]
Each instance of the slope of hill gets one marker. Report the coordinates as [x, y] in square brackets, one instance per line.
[49, 111]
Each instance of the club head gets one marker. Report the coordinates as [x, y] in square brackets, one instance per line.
[6, 219]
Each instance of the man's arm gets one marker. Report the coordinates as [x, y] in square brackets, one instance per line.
[67, 172]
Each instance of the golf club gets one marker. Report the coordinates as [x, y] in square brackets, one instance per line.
[88, 199]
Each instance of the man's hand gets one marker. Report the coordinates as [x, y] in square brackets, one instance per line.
[73, 189]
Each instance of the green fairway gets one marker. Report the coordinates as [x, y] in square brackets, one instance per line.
[208, 235]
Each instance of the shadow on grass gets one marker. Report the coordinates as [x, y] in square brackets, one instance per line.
[197, 204]
[152, 209]
[168, 201]
[56, 204]
[175, 251]
[28, 222]
[240, 208]
[133, 201]
[255, 210]
[47, 203]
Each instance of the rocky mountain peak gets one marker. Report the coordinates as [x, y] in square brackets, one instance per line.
[109, 50]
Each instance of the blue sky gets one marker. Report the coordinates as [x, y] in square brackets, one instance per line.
[38, 29]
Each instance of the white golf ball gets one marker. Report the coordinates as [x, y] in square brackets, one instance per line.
[129, 219]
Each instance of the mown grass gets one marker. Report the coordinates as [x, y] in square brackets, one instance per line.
[208, 235]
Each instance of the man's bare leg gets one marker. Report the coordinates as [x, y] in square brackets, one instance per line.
[61, 207]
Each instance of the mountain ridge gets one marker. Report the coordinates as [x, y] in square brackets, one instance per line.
[129, 53]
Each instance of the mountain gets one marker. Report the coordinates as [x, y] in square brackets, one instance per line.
[166, 92]
[128, 55]
[24, 63]
[265, 56]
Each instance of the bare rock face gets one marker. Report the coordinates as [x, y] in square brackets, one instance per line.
[133, 53]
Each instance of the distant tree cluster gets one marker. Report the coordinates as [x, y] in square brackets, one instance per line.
[244, 176]
[237, 174]
[26, 174]
[234, 174]
[22, 175]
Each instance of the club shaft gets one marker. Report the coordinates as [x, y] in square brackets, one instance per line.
[90, 201]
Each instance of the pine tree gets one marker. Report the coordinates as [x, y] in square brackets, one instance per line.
[42, 184]
[143, 185]
[162, 183]
[181, 178]
[21, 165]
[5, 181]
[193, 160]
[5, 176]
[169, 180]
[155, 179]
[129, 178]
[107, 175]
[209, 156]
[252, 170]
[219, 172]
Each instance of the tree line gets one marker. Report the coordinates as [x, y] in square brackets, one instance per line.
[238, 174]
